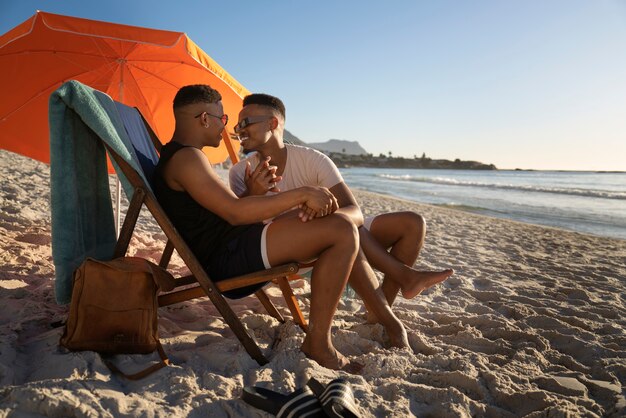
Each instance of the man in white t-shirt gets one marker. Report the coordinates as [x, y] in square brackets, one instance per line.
[277, 167]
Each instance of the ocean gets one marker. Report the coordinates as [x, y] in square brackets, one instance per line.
[588, 202]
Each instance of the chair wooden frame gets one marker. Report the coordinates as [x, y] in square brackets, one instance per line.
[205, 286]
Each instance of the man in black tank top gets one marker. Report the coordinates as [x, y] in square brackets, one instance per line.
[226, 233]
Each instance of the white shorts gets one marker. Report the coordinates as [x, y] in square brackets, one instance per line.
[266, 261]
[367, 222]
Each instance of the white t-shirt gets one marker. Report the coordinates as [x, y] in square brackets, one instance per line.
[304, 167]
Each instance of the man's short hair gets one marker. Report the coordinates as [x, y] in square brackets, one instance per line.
[265, 100]
[196, 93]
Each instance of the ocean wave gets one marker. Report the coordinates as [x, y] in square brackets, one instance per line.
[466, 208]
[603, 194]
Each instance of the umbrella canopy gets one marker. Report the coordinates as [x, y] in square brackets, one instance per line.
[137, 66]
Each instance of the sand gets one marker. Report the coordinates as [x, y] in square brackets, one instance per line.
[533, 323]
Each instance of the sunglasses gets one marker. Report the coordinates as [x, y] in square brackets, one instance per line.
[250, 120]
[223, 118]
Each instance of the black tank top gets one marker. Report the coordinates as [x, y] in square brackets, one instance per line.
[202, 230]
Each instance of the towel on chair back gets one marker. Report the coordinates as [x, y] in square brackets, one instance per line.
[82, 213]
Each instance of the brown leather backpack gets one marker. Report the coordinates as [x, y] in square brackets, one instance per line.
[114, 309]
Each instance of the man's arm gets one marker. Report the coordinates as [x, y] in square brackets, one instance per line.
[236, 176]
[347, 203]
[190, 171]
[318, 169]
[247, 182]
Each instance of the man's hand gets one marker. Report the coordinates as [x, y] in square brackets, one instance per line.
[320, 202]
[262, 179]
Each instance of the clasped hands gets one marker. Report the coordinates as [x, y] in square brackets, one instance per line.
[319, 200]
[263, 179]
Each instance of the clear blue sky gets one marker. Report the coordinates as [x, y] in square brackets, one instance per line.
[529, 84]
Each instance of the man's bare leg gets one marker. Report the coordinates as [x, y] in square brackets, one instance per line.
[363, 281]
[404, 233]
[334, 241]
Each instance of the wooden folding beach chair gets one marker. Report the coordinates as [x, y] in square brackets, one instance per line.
[83, 123]
[81, 103]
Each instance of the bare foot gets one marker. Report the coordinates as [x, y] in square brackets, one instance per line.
[397, 334]
[418, 281]
[327, 357]
[353, 367]
[394, 328]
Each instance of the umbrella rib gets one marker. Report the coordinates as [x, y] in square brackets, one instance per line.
[110, 57]
[107, 63]
[101, 53]
[157, 75]
[53, 85]
[45, 90]
[48, 51]
[62, 55]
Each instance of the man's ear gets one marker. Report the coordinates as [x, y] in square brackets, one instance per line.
[274, 123]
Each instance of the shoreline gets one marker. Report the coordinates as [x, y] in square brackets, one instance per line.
[477, 213]
[533, 322]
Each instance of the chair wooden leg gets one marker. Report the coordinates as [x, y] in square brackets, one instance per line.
[126, 233]
[292, 303]
[269, 306]
[238, 328]
[167, 254]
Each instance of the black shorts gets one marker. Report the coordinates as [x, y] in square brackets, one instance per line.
[241, 255]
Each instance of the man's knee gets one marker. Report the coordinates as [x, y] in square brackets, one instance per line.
[415, 223]
[344, 229]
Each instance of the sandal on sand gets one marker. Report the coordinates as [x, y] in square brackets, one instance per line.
[336, 398]
[300, 403]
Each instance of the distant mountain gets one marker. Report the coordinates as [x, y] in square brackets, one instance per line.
[339, 146]
[292, 139]
[333, 145]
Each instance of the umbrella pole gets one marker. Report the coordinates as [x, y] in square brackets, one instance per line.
[119, 188]
[118, 201]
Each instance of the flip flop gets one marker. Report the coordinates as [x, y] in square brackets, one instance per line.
[337, 398]
[301, 403]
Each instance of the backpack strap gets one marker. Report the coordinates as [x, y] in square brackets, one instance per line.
[165, 361]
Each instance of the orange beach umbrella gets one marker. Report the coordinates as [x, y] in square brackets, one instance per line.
[137, 66]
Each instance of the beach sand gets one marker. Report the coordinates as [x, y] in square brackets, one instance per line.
[532, 323]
